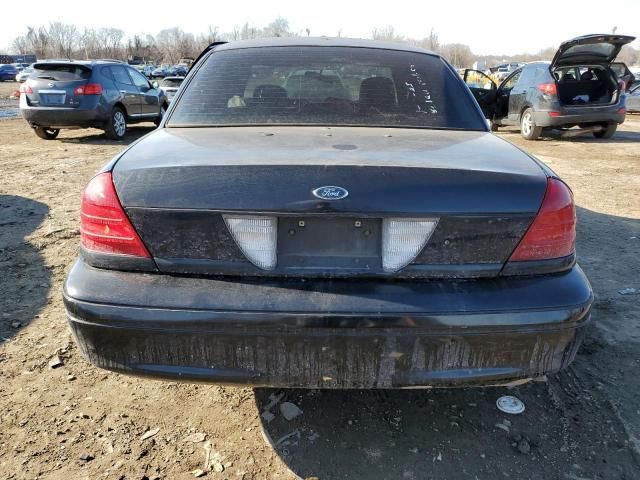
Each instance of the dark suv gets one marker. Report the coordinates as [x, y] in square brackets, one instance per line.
[577, 88]
[103, 94]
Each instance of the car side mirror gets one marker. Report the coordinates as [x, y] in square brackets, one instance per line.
[155, 84]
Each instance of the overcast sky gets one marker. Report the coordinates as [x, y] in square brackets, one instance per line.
[487, 26]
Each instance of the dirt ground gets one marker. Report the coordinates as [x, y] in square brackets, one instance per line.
[77, 422]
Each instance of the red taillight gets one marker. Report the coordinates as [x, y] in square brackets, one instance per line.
[622, 110]
[88, 89]
[553, 232]
[104, 227]
[24, 88]
[548, 88]
[554, 114]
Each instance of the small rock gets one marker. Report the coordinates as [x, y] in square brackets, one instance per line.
[506, 422]
[150, 433]
[267, 416]
[16, 324]
[524, 447]
[195, 437]
[218, 467]
[86, 457]
[502, 426]
[628, 291]
[71, 378]
[198, 473]
[289, 410]
[56, 361]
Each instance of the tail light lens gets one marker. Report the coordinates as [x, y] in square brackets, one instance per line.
[24, 88]
[104, 226]
[88, 89]
[553, 232]
[403, 239]
[548, 88]
[256, 237]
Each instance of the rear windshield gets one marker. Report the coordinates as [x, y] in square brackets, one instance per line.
[326, 86]
[60, 72]
[171, 82]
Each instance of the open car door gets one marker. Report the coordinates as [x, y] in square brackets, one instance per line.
[624, 74]
[483, 89]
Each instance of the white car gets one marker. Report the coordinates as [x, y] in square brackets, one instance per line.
[170, 86]
[24, 74]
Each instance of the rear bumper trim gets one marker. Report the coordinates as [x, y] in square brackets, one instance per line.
[358, 334]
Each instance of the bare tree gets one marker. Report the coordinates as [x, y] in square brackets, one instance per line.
[64, 39]
[174, 44]
[386, 33]
[278, 28]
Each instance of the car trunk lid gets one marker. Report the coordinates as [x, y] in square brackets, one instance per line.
[180, 189]
[590, 49]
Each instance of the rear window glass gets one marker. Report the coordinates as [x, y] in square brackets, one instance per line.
[326, 86]
[600, 49]
[61, 72]
[171, 82]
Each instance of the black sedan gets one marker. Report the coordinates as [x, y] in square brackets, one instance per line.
[327, 213]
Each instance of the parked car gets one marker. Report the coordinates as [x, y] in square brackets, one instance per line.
[24, 74]
[160, 72]
[8, 72]
[633, 100]
[103, 94]
[146, 70]
[170, 86]
[578, 88]
[501, 73]
[179, 71]
[387, 239]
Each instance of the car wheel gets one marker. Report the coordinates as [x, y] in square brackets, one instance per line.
[46, 133]
[493, 125]
[117, 125]
[607, 131]
[528, 128]
[163, 110]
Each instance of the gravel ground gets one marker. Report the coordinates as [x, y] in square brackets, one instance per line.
[75, 421]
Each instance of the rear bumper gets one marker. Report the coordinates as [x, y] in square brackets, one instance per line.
[328, 334]
[83, 116]
[574, 116]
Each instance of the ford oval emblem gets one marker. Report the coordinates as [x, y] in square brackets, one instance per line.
[330, 192]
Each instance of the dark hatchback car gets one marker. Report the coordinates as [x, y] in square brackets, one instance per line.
[578, 88]
[8, 73]
[102, 94]
[379, 237]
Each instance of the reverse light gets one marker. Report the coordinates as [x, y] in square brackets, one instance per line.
[88, 89]
[553, 231]
[256, 237]
[548, 88]
[403, 239]
[104, 226]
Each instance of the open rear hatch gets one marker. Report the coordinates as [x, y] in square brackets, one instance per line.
[582, 68]
[420, 203]
[590, 50]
